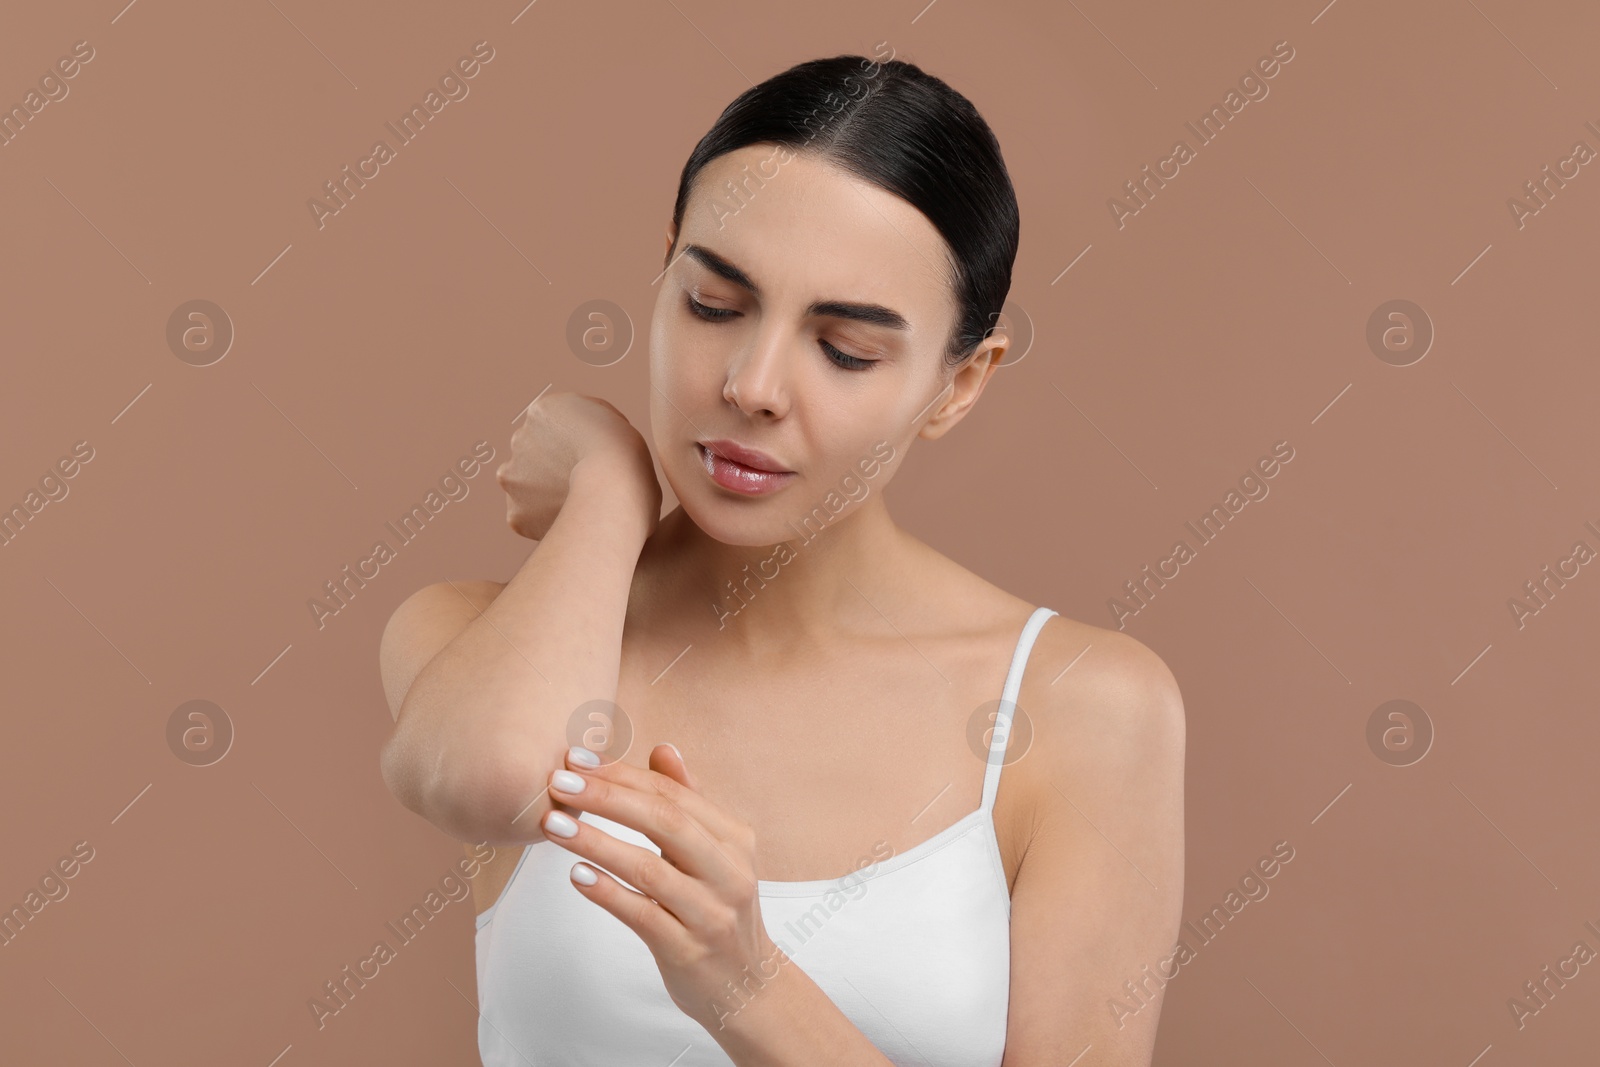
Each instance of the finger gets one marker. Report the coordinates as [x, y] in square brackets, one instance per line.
[644, 807]
[663, 810]
[666, 759]
[636, 911]
[651, 783]
[648, 876]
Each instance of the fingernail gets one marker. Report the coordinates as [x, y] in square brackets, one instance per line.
[560, 825]
[584, 874]
[674, 748]
[583, 757]
[567, 782]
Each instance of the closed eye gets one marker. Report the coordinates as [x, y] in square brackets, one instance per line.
[846, 361]
[840, 359]
[710, 313]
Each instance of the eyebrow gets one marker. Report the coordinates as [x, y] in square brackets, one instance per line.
[872, 314]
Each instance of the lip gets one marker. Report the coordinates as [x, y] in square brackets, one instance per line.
[746, 457]
[734, 476]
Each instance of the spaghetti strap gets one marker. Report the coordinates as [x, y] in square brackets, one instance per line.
[1008, 704]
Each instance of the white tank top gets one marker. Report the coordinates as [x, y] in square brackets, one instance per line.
[915, 950]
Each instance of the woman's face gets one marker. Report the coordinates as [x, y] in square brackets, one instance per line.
[824, 307]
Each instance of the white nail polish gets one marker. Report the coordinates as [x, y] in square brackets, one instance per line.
[559, 824]
[567, 782]
[583, 757]
[584, 874]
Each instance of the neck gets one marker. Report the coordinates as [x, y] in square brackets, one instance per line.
[781, 599]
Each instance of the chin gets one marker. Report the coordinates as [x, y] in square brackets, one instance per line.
[756, 522]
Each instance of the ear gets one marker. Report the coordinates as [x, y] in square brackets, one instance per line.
[966, 385]
[672, 236]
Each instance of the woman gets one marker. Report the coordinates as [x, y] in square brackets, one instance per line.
[795, 844]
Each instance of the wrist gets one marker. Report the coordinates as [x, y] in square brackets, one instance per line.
[615, 490]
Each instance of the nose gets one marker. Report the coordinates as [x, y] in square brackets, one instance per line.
[758, 380]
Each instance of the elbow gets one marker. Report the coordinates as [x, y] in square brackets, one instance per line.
[401, 775]
[488, 798]
[496, 798]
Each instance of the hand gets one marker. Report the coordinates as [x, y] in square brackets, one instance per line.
[697, 909]
[560, 434]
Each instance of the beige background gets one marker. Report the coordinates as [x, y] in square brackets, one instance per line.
[370, 354]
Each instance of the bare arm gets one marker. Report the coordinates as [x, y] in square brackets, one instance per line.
[484, 722]
[1099, 898]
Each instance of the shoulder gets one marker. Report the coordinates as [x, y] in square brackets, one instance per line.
[1100, 700]
[1089, 686]
[1074, 669]
[422, 625]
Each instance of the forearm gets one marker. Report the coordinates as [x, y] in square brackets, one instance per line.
[486, 720]
[791, 1022]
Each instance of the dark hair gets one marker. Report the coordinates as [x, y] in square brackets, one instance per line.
[906, 131]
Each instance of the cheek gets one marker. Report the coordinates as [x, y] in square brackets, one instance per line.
[664, 389]
[845, 433]
[660, 339]
[667, 370]
[683, 382]
[680, 361]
